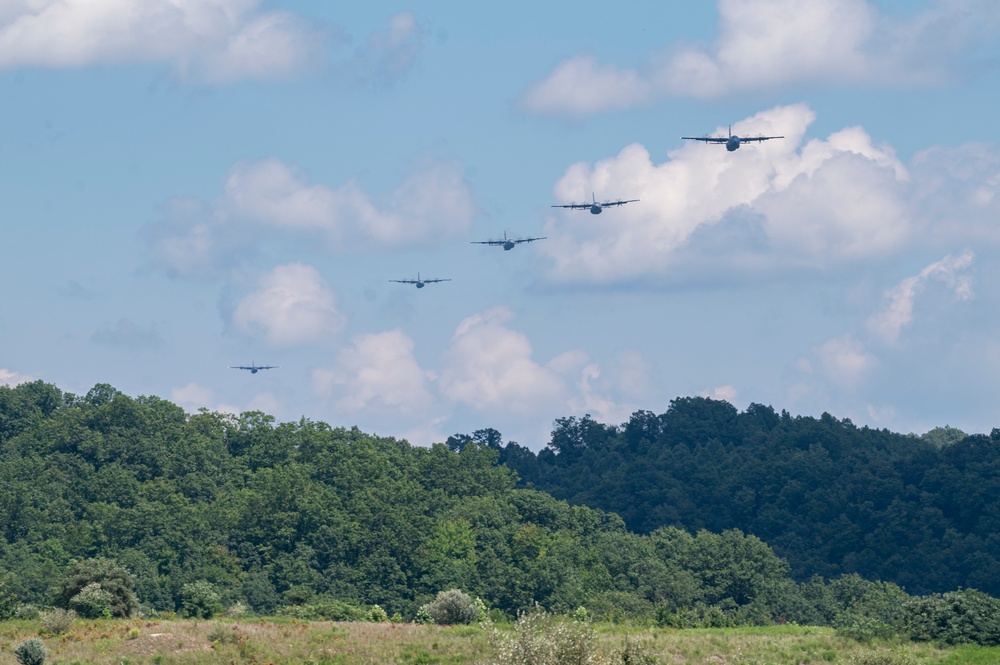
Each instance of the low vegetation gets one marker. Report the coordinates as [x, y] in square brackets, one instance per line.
[537, 639]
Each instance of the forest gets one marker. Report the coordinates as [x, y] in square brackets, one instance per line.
[827, 496]
[309, 520]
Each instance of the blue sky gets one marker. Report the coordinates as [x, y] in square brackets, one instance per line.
[187, 185]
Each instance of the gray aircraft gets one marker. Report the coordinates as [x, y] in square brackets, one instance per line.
[419, 283]
[595, 207]
[507, 243]
[252, 368]
[731, 142]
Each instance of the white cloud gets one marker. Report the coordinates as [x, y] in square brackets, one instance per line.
[377, 371]
[292, 306]
[844, 361]
[706, 213]
[194, 396]
[769, 43]
[203, 40]
[726, 393]
[490, 368]
[11, 378]
[390, 53]
[269, 197]
[897, 310]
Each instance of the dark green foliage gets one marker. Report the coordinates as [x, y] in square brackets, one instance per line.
[452, 607]
[31, 652]
[829, 497]
[957, 617]
[311, 521]
[95, 587]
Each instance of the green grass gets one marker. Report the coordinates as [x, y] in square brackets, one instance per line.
[266, 642]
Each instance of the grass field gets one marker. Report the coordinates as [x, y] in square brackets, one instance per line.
[278, 642]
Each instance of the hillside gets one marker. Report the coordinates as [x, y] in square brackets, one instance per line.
[830, 497]
[275, 515]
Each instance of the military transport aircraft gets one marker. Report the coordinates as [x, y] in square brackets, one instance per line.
[253, 368]
[731, 142]
[420, 283]
[507, 243]
[595, 207]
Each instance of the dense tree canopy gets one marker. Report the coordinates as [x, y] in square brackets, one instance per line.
[830, 497]
[288, 514]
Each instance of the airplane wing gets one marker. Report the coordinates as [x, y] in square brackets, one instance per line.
[486, 242]
[758, 138]
[617, 203]
[431, 281]
[574, 205]
[267, 367]
[405, 281]
[707, 139]
[529, 239]
[239, 367]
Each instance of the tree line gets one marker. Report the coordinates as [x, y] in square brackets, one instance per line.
[301, 518]
[829, 497]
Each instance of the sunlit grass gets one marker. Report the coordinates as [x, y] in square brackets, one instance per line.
[266, 642]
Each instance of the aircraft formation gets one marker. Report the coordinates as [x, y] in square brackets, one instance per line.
[732, 143]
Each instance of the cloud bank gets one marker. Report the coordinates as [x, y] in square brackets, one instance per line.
[765, 44]
[202, 41]
[269, 199]
[795, 204]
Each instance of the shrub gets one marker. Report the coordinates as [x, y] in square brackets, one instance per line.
[954, 618]
[376, 615]
[93, 602]
[452, 607]
[423, 616]
[27, 612]
[31, 652]
[324, 610]
[200, 600]
[237, 610]
[109, 576]
[57, 621]
[884, 657]
[540, 639]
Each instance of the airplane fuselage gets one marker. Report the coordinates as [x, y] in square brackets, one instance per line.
[254, 370]
[733, 143]
[596, 209]
[508, 245]
[420, 285]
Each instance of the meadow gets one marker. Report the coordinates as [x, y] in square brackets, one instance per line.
[279, 642]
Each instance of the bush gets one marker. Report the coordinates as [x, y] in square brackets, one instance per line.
[324, 610]
[57, 621]
[200, 600]
[31, 652]
[93, 602]
[377, 615]
[109, 576]
[452, 607]
[540, 639]
[954, 618]
[884, 657]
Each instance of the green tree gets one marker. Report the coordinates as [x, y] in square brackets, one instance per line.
[114, 580]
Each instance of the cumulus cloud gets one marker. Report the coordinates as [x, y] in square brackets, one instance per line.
[203, 40]
[292, 306]
[706, 213]
[128, 334]
[897, 309]
[11, 378]
[194, 397]
[377, 371]
[488, 366]
[726, 393]
[267, 198]
[844, 361]
[769, 43]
